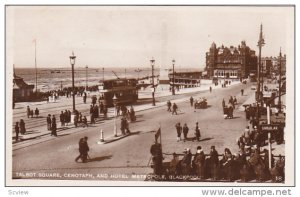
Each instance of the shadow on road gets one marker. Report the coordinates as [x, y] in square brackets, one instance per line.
[100, 158]
[122, 136]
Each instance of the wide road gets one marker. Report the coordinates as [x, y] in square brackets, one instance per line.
[122, 158]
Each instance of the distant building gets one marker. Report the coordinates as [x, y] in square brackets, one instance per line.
[230, 63]
[21, 90]
[271, 65]
[186, 79]
[267, 65]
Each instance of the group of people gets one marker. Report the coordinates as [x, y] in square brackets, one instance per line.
[30, 112]
[174, 107]
[227, 166]
[20, 128]
[64, 118]
[185, 130]
[228, 109]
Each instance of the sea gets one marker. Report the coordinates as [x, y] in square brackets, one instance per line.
[56, 78]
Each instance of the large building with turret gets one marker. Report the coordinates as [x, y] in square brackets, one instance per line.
[230, 62]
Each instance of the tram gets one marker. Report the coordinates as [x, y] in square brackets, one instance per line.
[125, 90]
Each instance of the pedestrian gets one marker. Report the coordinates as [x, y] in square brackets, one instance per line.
[235, 100]
[192, 101]
[197, 132]
[210, 89]
[84, 97]
[169, 104]
[186, 162]
[242, 92]
[75, 120]
[178, 130]
[185, 131]
[199, 163]
[214, 163]
[174, 109]
[84, 121]
[49, 122]
[105, 111]
[22, 127]
[85, 149]
[223, 103]
[62, 119]
[28, 111]
[101, 105]
[53, 126]
[36, 112]
[80, 144]
[80, 118]
[17, 130]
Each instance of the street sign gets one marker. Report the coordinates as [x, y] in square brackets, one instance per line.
[270, 127]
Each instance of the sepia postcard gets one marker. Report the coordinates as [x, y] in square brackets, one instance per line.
[171, 95]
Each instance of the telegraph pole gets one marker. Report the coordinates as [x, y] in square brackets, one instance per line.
[260, 44]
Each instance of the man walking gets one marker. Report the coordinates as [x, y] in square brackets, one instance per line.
[85, 150]
[169, 104]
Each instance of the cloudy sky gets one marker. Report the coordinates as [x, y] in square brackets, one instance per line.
[130, 36]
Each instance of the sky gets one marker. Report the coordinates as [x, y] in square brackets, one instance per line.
[129, 36]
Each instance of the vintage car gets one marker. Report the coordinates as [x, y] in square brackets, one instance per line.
[200, 103]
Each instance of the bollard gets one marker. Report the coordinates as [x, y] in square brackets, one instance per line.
[101, 136]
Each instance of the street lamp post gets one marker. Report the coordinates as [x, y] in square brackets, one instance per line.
[173, 86]
[86, 78]
[115, 115]
[153, 89]
[72, 61]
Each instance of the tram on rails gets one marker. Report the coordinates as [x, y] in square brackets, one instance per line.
[125, 89]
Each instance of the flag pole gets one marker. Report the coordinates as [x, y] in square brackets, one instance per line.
[35, 66]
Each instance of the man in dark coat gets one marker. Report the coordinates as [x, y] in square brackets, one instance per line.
[17, 130]
[85, 149]
[178, 130]
[169, 104]
[192, 101]
[186, 162]
[28, 111]
[36, 112]
[49, 122]
[199, 162]
[22, 127]
[62, 118]
[157, 158]
[214, 163]
[185, 131]
[80, 144]
[53, 126]
[197, 132]
[174, 109]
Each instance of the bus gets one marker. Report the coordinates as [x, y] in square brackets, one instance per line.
[125, 89]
